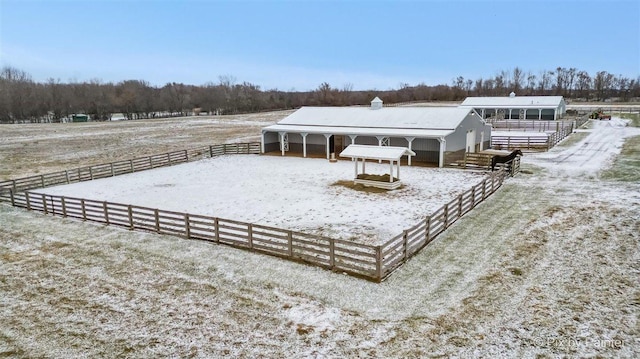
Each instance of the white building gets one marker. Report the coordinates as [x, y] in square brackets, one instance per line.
[518, 107]
[437, 135]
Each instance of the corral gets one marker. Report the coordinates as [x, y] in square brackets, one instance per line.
[361, 251]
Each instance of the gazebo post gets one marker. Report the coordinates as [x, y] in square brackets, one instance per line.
[364, 160]
[398, 176]
[391, 171]
[356, 168]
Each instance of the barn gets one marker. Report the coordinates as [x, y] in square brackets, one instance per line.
[437, 135]
[518, 107]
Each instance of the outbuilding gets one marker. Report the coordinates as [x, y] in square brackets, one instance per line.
[437, 135]
[518, 107]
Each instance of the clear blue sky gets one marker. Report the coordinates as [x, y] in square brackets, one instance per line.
[300, 44]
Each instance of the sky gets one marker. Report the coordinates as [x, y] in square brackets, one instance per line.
[297, 45]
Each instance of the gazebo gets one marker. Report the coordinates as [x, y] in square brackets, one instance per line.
[380, 153]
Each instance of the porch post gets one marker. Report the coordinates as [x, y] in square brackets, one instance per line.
[481, 141]
[304, 144]
[327, 136]
[443, 146]
[380, 138]
[398, 166]
[539, 114]
[281, 135]
[262, 142]
[410, 141]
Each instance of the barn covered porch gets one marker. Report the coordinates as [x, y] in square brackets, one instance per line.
[315, 141]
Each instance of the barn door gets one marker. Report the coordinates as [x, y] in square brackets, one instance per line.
[471, 141]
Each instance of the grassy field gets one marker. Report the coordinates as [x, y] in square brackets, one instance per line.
[547, 267]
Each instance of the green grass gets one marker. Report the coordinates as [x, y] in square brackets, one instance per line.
[627, 165]
[634, 117]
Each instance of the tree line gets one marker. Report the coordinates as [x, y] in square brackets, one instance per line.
[25, 100]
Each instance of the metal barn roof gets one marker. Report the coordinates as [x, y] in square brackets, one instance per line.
[423, 118]
[513, 102]
[362, 131]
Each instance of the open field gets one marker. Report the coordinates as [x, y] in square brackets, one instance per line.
[68, 145]
[546, 267]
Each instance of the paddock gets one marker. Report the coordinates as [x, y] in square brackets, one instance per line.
[285, 192]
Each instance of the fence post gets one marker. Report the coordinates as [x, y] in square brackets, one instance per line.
[405, 235]
[44, 203]
[473, 197]
[187, 228]
[224, 148]
[66, 173]
[211, 151]
[427, 229]
[156, 214]
[26, 195]
[150, 162]
[459, 206]
[169, 158]
[42, 180]
[131, 165]
[446, 215]
[379, 263]
[84, 211]
[130, 213]
[106, 212]
[250, 232]
[484, 187]
[186, 156]
[216, 224]
[91, 172]
[64, 207]
[332, 252]
[290, 240]
[112, 173]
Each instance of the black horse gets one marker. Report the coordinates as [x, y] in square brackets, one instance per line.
[504, 159]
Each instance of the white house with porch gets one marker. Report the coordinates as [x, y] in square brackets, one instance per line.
[518, 107]
[437, 135]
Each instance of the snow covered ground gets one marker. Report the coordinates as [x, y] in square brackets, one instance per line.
[546, 267]
[285, 192]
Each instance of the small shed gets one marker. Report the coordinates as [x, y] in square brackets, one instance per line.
[379, 153]
[79, 117]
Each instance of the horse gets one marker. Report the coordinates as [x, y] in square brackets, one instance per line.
[504, 159]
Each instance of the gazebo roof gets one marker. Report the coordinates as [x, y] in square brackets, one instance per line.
[385, 153]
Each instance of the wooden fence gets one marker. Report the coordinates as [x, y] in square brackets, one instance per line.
[530, 125]
[535, 142]
[112, 169]
[371, 262]
[400, 248]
